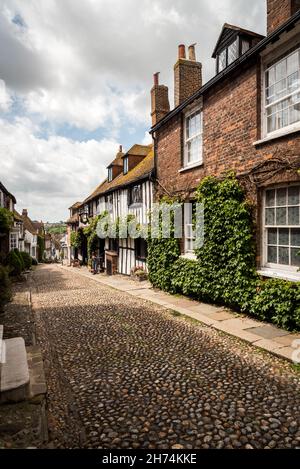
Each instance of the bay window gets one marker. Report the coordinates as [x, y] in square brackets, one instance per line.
[193, 139]
[282, 228]
[282, 93]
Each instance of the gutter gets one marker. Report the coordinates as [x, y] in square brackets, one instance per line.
[273, 37]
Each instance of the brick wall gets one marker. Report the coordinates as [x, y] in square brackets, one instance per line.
[278, 11]
[232, 122]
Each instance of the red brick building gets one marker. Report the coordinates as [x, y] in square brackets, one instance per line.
[246, 119]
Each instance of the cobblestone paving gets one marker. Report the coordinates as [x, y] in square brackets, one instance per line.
[124, 373]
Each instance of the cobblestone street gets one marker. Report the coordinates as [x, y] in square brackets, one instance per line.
[124, 373]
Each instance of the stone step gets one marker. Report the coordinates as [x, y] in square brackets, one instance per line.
[14, 379]
[1, 343]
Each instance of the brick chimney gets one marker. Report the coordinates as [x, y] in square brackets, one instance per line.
[187, 74]
[279, 11]
[160, 105]
[25, 212]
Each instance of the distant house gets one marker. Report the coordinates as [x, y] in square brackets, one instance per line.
[30, 235]
[15, 237]
[126, 191]
[72, 227]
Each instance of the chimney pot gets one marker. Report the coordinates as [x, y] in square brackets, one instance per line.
[25, 212]
[181, 51]
[192, 53]
[120, 149]
[156, 79]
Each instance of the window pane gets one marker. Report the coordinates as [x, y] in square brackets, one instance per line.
[222, 60]
[284, 256]
[293, 195]
[233, 52]
[281, 198]
[245, 46]
[295, 258]
[272, 236]
[293, 63]
[293, 82]
[270, 216]
[281, 216]
[270, 198]
[272, 123]
[284, 237]
[295, 237]
[280, 70]
[272, 255]
[271, 76]
[293, 216]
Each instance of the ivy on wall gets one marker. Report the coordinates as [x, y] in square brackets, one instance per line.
[225, 271]
[6, 220]
[76, 239]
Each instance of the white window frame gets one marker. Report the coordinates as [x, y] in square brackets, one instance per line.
[13, 241]
[276, 270]
[198, 162]
[125, 165]
[110, 174]
[291, 127]
[189, 232]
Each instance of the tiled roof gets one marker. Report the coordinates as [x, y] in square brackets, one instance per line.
[28, 225]
[73, 219]
[138, 150]
[140, 171]
[76, 205]
[3, 188]
[17, 216]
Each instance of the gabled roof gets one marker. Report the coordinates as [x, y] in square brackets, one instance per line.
[141, 171]
[28, 225]
[230, 28]
[3, 189]
[17, 216]
[118, 160]
[76, 205]
[138, 150]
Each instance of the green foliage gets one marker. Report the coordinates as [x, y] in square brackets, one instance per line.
[27, 260]
[60, 229]
[14, 263]
[91, 233]
[41, 248]
[21, 258]
[162, 255]
[76, 239]
[224, 272]
[277, 301]
[5, 287]
[6, 220]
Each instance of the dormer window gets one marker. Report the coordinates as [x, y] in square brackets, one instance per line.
[125, 165]
[230, 53]
[110, 175]
[232, 43]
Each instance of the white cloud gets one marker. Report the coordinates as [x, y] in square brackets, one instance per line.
[5, 98]
[47, 176]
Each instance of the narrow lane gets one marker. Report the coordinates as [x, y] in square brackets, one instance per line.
[124, 373]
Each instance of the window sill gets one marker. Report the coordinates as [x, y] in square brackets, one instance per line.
[192, 166]
[278, 134]
[189, 256]
[280, 274]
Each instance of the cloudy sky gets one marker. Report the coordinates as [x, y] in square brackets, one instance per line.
[75, 79]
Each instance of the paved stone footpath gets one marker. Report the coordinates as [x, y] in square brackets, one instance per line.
[125, 373]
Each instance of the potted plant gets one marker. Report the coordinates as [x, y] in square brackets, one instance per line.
[139, 274]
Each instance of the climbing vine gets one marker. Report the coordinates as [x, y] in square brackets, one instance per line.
[224, 272]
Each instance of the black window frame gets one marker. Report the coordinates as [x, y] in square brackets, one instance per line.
[141, 249]
[132, 199]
